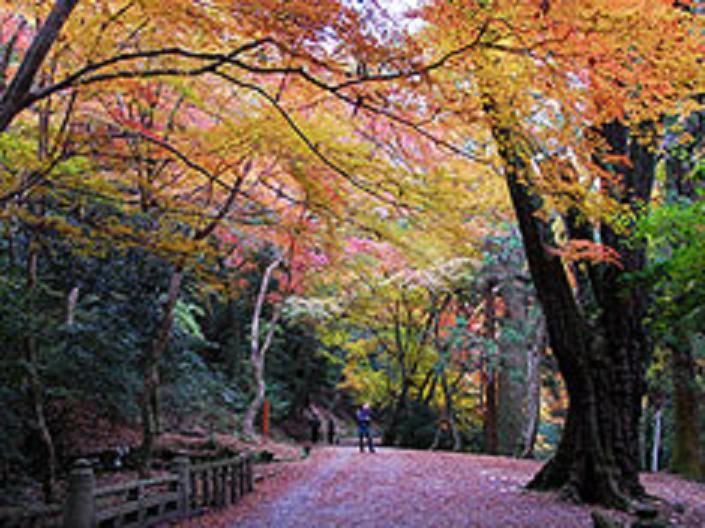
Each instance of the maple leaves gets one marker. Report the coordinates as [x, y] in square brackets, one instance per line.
[587, 250]
[552, 73]
[197, 146]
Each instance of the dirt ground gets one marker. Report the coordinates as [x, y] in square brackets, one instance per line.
[340, 487]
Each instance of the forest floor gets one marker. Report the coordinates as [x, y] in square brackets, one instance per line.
[340, 487]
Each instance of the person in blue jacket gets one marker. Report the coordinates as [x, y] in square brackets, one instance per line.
[364, 417]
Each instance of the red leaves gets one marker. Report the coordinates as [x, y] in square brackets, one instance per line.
[586, 250]
[341, 487]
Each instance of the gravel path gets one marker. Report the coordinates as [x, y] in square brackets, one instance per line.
[339, 487]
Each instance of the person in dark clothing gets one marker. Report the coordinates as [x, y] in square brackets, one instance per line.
[314, 423]
[364, 417]
[331, 431]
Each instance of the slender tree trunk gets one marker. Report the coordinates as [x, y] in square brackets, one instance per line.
[71, 302]
[38, 407]
[35, 383]
[656, 447]
[431, 393]
[259, 350]
[248, 425]
[455, 431]
[391, 432]
[150, 390]
[36, 387]
[447, 417]
[490, 432]
[533, 393]
[448, 393]
[490, 414]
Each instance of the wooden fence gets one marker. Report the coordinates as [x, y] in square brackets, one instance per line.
[189, 490]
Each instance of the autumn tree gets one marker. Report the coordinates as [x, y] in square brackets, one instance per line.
[515, 324]
[571, 97]
[139, 77]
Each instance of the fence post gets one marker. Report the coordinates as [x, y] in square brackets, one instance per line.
[232, 488]
[249, 471]
[79, 508]
[241, 476]
[223, 486]
[182, 468]
[141, 507]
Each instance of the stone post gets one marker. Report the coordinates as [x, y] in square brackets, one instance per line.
[182, 468]
[79, 509]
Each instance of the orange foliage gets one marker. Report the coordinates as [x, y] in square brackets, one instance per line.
[587, 251]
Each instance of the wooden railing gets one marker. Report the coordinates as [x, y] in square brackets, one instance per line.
[219, 484]
[39, 517]
[189, 490]
[139, 503]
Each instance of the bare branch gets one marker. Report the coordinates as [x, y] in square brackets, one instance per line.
[224, 210]
[180, 156]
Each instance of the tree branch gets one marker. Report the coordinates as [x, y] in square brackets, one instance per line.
[14, 100]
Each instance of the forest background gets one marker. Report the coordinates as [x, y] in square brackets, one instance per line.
[487, 221]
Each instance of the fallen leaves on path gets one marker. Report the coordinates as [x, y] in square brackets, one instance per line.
[339, 487]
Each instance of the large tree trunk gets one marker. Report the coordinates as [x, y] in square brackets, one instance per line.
[686, 451]
[17, 96]
[602, 362]
[512, 394]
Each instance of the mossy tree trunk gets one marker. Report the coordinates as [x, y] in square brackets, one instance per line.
[533, 393]
[686, 451]
[512, 378]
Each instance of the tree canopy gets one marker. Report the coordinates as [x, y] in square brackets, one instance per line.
[224, 203]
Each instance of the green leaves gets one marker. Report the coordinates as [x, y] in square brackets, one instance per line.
[676, 236]
[185, 315]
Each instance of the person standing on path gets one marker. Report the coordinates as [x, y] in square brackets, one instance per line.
[364, 417]
[314, 422]
[331, 431]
